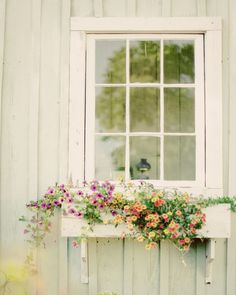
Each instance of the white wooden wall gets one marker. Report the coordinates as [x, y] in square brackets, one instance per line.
[34, 72]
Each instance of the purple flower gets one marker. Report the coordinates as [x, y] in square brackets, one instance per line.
[80, 193]
[61, 200]
[50, 191]
[49, 205]
[93, 187]
[43, 205]
[78, 214]
[114, 213]
[71, 211]
[69, 200]
[99, 195]
[66, 195]
[62, 186]
[56, 203]
[101, 206]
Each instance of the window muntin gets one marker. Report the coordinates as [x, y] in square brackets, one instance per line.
[152, 110]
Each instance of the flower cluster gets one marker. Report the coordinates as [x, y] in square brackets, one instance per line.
[150, 214]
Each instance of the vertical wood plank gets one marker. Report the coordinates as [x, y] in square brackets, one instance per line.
[184, 8]
[74, 272]
[231, 259]
[114, 8]
[201, 7]
[2, 39]
[231, 254]
[166, 7]
[153, 8]
[2, 45]
[49, 109]
[164, 267]
[131, 8]
[15, 95]
[34, 102]
[49, 124]
[98, 8]
[232, 104]
[77, 106]
[63, 134]
[82, 8]
[218, 285]
[211, 7]
[109, 266]
[182, 267]
[200, 268]
[93, 270]
[64, 91]
[128, 267]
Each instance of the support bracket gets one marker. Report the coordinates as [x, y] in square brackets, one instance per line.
[210, 257]
[84, 262]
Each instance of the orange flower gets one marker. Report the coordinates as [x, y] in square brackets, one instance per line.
[159, 203]
[178, 213]
[140, 238]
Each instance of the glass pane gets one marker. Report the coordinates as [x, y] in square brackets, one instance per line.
[179, 158]
[110, 109]
[179, 61]
[144, 151]
[110, 61]
[179, 110]
[145, 109]
[144, 61]
[109, 157]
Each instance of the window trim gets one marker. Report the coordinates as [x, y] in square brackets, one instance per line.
[210, 27]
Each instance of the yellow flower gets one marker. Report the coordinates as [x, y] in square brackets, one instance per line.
[105, 221]
[134, 218]
[154, 199]
[151, 234]
[166, 232]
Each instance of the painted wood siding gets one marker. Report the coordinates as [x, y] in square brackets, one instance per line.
[34, 88]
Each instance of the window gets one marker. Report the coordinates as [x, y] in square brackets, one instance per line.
[146, 103]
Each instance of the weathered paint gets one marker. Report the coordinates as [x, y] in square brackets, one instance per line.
[34, 87]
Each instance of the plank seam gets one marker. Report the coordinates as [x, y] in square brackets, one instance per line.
[166, 7]
[98, 8]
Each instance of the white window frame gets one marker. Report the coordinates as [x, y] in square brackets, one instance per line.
[211, 28]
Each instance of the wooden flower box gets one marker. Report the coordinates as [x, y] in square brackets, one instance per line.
[217, 225]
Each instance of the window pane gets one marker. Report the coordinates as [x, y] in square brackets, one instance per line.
[179, 61]
[179, 158]
[110, 109]
[145, 109]
[144, 61]
[110, 61]
[109, 157]
[143, 150]
[179, 110]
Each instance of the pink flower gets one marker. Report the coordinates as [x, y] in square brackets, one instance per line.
[75, 244]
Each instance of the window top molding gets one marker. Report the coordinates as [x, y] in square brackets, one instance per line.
[140, 24]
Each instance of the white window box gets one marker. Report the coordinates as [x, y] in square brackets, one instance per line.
[217, 225]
